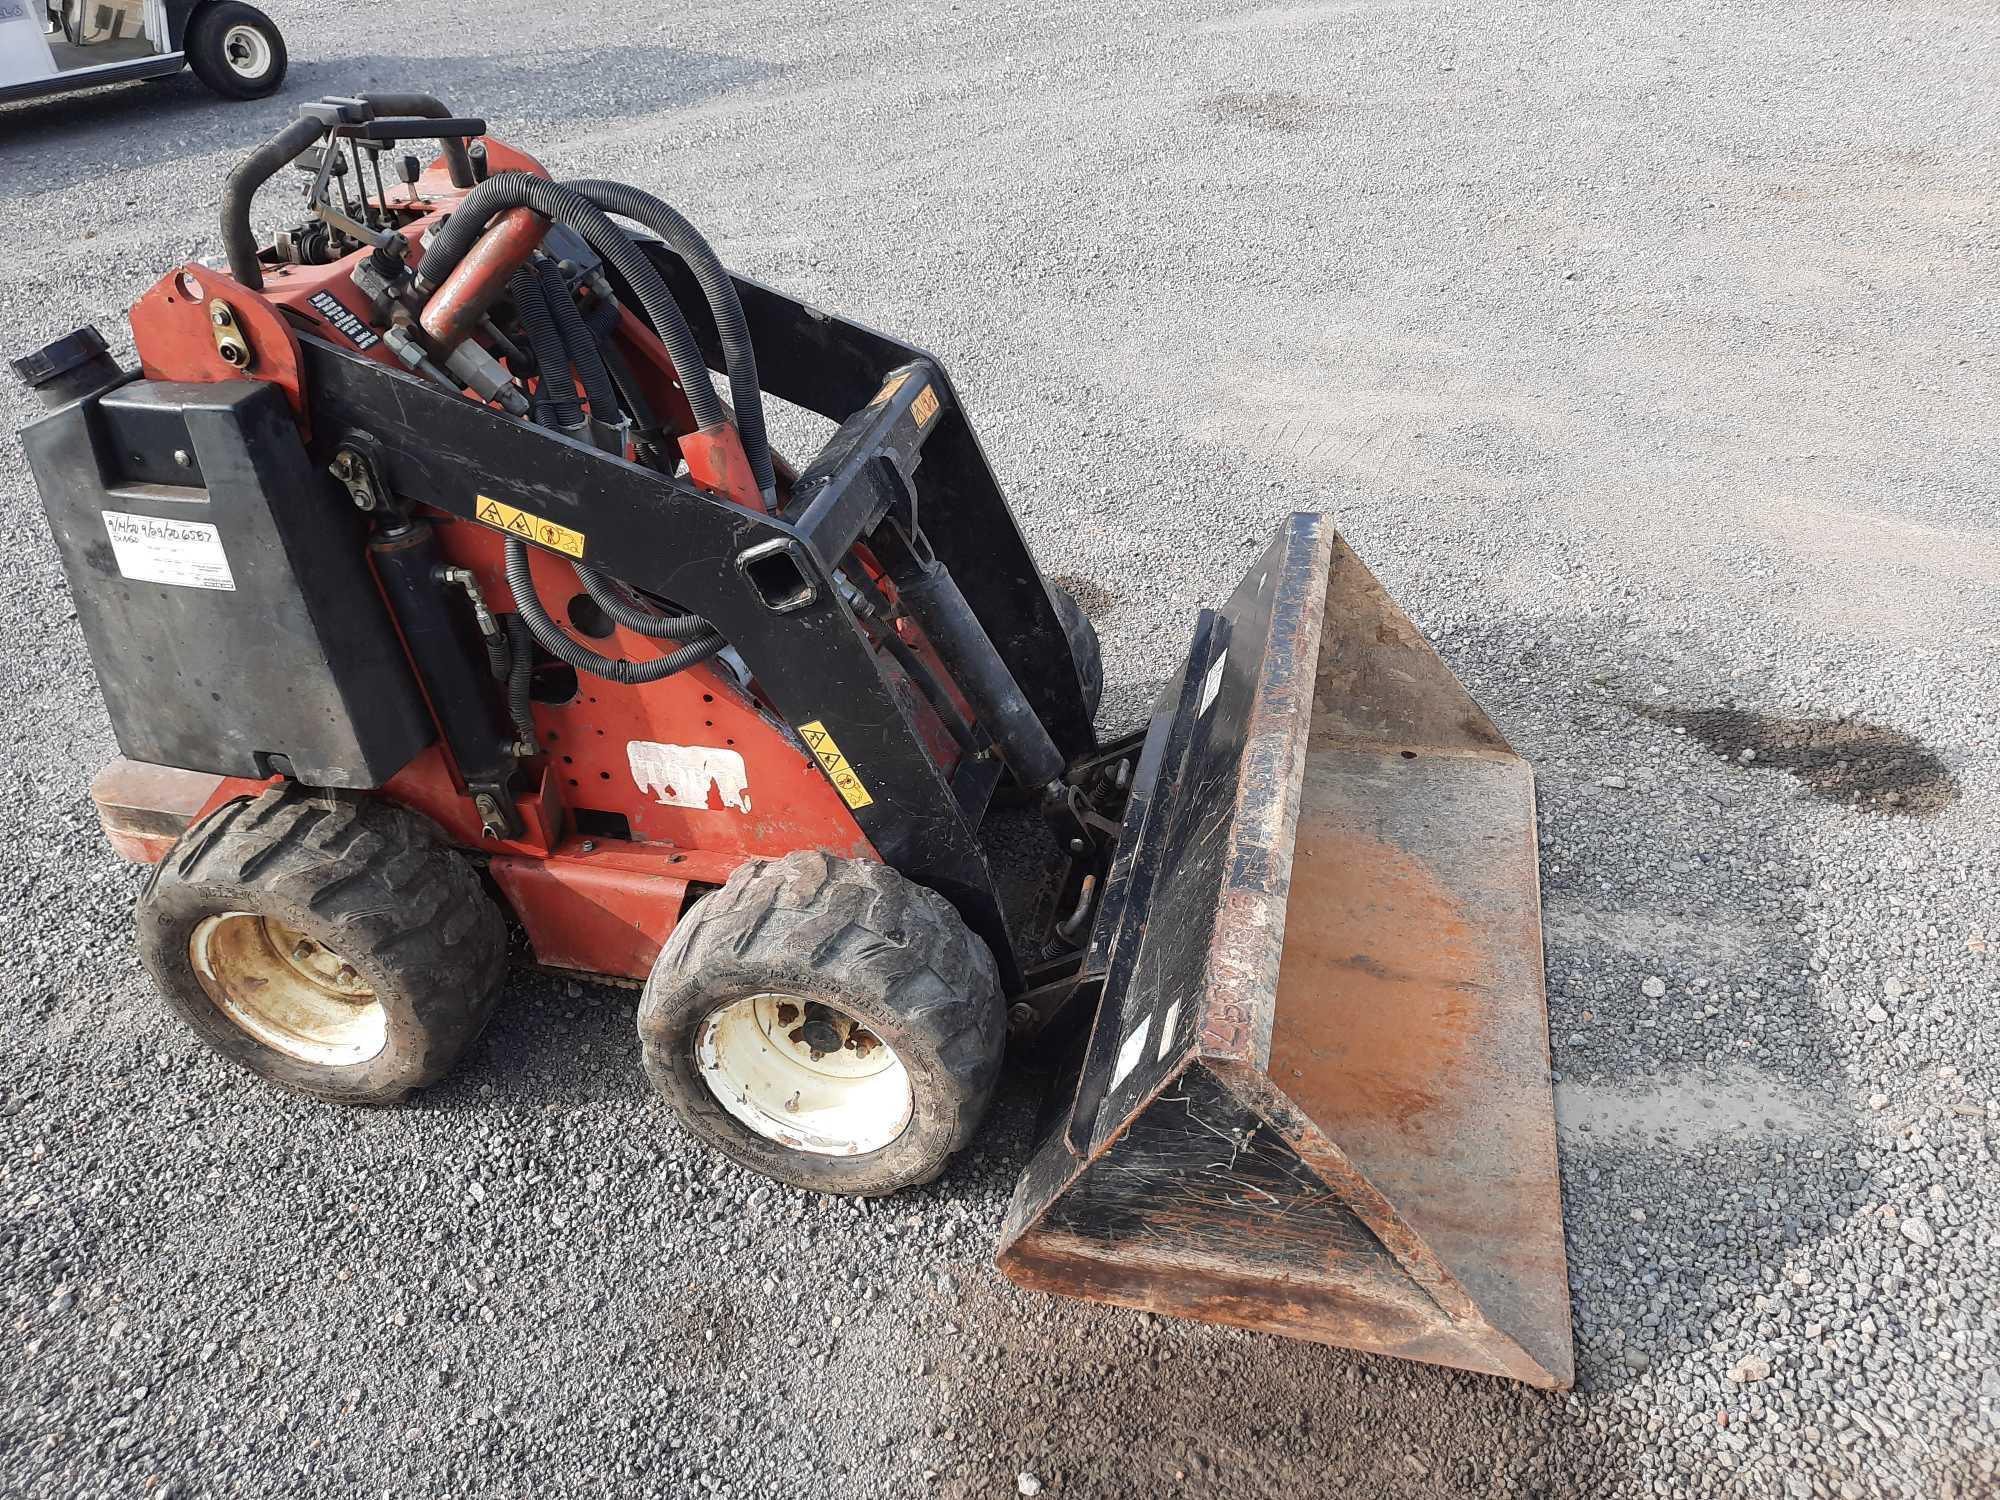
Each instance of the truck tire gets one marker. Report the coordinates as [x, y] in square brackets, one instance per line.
[236, 50]
[1083, 647]
[332, 944]
[900, 996]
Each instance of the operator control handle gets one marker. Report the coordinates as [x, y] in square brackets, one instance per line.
[411, 128]
[323, 119]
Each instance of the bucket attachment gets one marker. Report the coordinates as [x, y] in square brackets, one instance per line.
[1315, 1100]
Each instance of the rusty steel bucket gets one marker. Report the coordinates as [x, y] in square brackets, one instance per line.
[1315, 1100]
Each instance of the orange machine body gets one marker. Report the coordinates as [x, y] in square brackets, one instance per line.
[638, 793]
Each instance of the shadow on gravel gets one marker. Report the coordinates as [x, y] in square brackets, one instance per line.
[1840, 760]
[55, 144]
[589, 83]
[1095, 595]
[1103, 1402]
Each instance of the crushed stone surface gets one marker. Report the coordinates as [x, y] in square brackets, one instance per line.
[1646, 356]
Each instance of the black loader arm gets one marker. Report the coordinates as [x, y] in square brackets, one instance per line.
[836, 368]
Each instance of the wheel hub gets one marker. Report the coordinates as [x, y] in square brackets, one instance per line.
[248, 53]
[292, 993]
[803, 1074]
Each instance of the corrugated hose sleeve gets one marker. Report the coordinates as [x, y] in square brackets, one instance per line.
[739, 358]
[521, 650]
[446, 248]
[499, 661]
[555, 392]
[582, 347]
[553, 639]
[604, 590]
[578, 341]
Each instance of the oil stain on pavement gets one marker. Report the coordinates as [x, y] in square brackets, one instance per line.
[1841, 760]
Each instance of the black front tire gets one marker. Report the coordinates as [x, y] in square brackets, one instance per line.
[370, 894]
[1083, 647]
[236, 50]
[866, 942]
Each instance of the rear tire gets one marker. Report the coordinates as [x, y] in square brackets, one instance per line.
[333, 945]
[236, 50]
[870, 958]
[1083, 647]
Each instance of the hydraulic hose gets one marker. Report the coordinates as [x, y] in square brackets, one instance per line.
[498, 659]
[556, 403]
[927, 684]
[583, 353]
[556, 331]
[521, 652]
[739, 359]
[578, 341]
[558, 644]
[446, 248]
[647, 622]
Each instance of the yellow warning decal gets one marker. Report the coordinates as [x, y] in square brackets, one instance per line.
[852, 792]
[529, 527]
[890, 389]
[925, 406]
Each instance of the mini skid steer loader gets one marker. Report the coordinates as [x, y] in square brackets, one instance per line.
[431, 582]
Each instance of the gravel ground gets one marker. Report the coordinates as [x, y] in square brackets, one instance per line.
[1648, 358]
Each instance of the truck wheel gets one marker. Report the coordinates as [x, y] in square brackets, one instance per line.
[1083, 647]
[333, 945]
[826, 1022]
[236, 50]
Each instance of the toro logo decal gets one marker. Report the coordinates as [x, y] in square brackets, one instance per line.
[344, 322]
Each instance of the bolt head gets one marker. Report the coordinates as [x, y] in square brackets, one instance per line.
[181, 457]
[1021, 1015]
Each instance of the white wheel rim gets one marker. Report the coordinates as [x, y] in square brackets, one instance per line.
[757, 1057]
[246, 51]
[294, 995]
